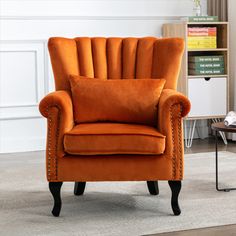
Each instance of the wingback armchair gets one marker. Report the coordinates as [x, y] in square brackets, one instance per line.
[72, 148]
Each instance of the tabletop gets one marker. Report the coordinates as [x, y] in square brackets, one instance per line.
[220, 126]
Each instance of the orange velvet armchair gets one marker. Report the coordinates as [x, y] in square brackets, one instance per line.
[115, 58]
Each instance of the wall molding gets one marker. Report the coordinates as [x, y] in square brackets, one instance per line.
[90, 17]
[41, 78]
[36, 81]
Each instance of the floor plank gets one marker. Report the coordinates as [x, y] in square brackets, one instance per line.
[228, 230]
[208, 145]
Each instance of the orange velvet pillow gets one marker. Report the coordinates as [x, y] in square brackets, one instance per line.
[121, 100]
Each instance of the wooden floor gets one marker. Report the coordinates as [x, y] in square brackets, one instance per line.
[229, 230]
[207, 145]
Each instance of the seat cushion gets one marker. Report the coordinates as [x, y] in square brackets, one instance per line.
[123, 101]
[113, 138]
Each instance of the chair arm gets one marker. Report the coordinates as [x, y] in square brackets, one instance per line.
[60, 99]
[170, 97]
[172, 107]
[57, 108]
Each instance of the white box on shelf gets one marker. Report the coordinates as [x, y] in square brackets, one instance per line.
[208, 96]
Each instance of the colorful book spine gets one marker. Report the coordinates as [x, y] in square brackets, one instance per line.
[202, 37]
[205, 59]
[201, 31]
[218, 71]
[199, 45]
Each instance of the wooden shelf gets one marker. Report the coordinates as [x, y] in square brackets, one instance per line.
[208, 50]
[203, 76]
[208, 23]
[203, 117]
[209, 98]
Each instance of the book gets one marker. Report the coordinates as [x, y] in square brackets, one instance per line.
[206, 59]
[215, 65]
[198, 45]
[202, 43]
[230, 119]
[202, 31]
[202, 39]
[218, 71]
[201, 18]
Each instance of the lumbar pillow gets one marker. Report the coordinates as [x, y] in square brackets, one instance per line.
[121, 100]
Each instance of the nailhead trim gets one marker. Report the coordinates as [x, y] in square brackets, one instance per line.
[173, 142]
[56, 143]
[49, 144]
[180, 142]
[179, 118]
[50, 174]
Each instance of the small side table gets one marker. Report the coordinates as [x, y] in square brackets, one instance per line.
[220, 127]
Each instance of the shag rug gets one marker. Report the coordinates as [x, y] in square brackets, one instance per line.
[113, 208]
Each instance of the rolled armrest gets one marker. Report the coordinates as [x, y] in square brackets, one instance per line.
[172, 107]
[59, 99]
[170, 97]
[57, 108]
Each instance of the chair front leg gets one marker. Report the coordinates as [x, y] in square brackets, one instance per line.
[175, 187]
[55, 189]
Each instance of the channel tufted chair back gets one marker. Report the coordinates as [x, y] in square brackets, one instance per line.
[116, 58]
[144, 143]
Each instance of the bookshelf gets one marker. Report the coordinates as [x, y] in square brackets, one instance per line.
[208, 93]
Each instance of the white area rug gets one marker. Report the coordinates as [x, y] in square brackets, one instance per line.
[113, 208]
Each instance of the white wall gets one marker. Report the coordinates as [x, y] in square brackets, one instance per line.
[25, 26]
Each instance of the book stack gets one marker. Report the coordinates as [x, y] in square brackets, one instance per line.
[202, 37]
[206, 65]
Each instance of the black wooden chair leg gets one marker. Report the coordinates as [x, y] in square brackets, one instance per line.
[79, 188]
[153, 187]
[175, 189]
[55, 189]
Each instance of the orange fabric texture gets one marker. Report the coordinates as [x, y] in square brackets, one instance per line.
[113, 138]
[124, 101]
[115, 58]
[57, 108]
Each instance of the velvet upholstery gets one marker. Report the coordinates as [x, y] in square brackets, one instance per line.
[113, 138]
[124, 101]
[115, 58]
